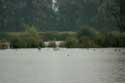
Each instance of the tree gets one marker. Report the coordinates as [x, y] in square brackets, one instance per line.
[71, 15]
[108, 16]
[32, 36]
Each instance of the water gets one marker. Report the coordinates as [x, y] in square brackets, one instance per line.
[62, 66]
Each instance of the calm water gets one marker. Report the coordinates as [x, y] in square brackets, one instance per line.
[62, 66]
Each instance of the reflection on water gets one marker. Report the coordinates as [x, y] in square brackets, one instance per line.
[105, 65]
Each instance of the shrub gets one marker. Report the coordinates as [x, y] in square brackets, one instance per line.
[18, 42]
[71, 42]
[86, 31]
[86, 42]
[41, 44]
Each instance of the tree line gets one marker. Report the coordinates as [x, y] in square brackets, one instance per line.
[102, 15]
[84, 38]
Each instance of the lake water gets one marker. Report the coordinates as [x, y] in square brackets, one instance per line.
[47, 65]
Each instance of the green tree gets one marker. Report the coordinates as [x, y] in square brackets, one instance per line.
[108, 15]
[32, 36]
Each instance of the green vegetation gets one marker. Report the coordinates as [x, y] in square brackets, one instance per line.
[86, 31]
[28, 39]
[104, 27]
[103, 15]
[33, 39]
[87, 37]
[71, 42]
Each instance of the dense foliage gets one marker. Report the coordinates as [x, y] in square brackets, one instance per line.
[103, 15]
[79, 23]
[70, 40]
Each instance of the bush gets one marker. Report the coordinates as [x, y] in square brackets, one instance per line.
[41, 44]
[110, 39]
[71, 42]
[25, 41]
[86, 42]
[17, 43]
[32, 39]
[86, 31]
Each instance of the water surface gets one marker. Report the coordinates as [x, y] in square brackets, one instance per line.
[47, 65]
